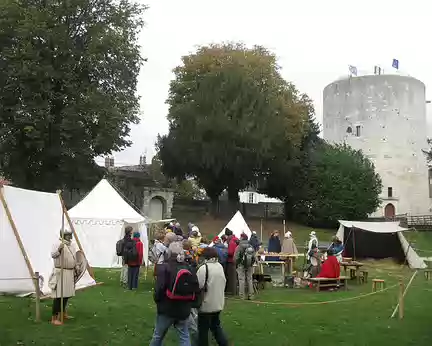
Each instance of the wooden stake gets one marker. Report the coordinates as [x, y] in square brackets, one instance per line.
[36, 283]
[65, 212]
[284, 226]
[401, 300]
[261, 229]
[404, 294]
[62, 270]
[16, 233]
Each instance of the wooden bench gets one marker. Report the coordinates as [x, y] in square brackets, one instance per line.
[427, 274]
[330, 282]
[378, 283]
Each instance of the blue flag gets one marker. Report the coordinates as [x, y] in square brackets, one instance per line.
[395, 64]
[353, 70]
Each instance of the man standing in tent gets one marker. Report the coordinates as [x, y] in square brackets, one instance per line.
[64, 256]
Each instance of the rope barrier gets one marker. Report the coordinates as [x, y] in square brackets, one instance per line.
[13, 279]
[316, 303]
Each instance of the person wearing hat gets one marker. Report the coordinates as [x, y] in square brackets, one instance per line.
[63, 254]
[222, 251]
[288, 244]
[313, 240]
[134, 260]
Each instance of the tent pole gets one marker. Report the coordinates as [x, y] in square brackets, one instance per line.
[65, 213]
[17, 236]
[62, 270]
[354, 246]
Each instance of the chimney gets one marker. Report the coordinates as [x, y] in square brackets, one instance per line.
[142, 160]
[107, 162]
[111, 162]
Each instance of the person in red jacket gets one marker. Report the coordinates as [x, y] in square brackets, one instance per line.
[231, 273]
[134, 261]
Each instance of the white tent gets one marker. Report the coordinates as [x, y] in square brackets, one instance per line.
[238, 225]
[100, 219]
[30, 223]
[377, 240]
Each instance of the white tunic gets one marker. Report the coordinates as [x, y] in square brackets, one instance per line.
[69, 264]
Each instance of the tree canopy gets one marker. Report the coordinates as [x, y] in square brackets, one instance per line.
[341, 184]
[68, 77]
[230, 115]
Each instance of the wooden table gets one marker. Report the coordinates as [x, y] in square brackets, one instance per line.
[286, 261]
[352, 265]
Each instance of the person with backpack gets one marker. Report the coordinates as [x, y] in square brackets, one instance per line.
[120, 246]
[156, 254]
[175, 293]
[212, 282]
[134, 253]
[222, 251]
[244, 260]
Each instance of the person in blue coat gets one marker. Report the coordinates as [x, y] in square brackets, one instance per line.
[274, 245]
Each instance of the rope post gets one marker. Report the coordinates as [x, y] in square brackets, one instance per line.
[401, 299]
[62, 264]
[261, 230]
[36, 283]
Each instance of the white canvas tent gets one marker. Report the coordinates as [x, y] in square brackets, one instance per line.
[238, 225]
[30, 223]
[100, 219]
[377, 240]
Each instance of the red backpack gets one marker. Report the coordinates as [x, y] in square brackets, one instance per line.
[183, 285]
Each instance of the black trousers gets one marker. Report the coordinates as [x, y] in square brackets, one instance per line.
[56, 308]
[210, 321]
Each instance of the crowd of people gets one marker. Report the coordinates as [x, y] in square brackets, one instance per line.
[192, 275]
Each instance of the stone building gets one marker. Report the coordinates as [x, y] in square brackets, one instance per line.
[142, 188]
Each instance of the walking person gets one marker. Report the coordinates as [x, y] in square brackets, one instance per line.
[231, 275]
[212, 280]
[120, 247]
[134, 257]
[63, 251]
[175, 291]
[244, 260]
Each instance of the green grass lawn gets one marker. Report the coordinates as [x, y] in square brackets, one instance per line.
[109, 315]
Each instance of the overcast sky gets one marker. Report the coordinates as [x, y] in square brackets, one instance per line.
[315, 41]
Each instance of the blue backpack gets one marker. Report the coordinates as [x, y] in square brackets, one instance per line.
[222, 253]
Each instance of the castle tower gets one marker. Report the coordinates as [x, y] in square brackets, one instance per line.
[385, 117]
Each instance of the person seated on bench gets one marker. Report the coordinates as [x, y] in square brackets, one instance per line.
[331, 267]
[337, 248]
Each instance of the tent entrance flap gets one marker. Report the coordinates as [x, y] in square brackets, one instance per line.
[365, 244]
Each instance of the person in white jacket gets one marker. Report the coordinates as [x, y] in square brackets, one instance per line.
[212, 280]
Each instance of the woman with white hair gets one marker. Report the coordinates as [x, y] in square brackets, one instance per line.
[288, 245]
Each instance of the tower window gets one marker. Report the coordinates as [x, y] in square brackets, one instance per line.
[349, 129]
[358, 131]
[389, 192]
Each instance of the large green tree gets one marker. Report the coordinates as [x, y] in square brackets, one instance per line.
[287, 175]
[230, 114]
[68, 77]
[341, 184]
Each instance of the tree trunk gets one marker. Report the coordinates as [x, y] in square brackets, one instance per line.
[214, 205]
[233, 198]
